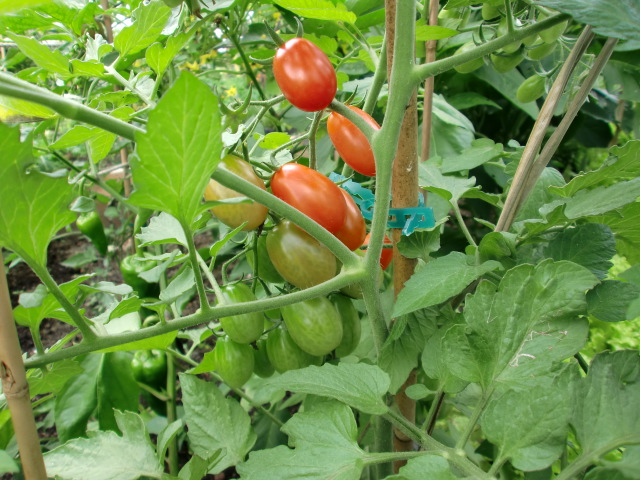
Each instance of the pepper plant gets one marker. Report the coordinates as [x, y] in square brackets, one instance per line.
[285, 351]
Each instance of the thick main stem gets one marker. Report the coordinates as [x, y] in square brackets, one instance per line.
[16, 388]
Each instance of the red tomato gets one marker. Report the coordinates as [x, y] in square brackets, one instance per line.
[305, 75]
[354, 229]
[312, 193]
[387, 253]
[351, 144]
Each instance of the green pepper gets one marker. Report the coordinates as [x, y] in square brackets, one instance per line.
[150, 368]
[131, 268]
[90, 224]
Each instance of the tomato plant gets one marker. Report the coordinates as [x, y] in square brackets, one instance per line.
[351, 327]
[234, 215]
[91, 225]
[305, 75]
[233, 361]
[298, 257]
[264, 268]
[262, 365]
[312, 193]
[354, 230]
[387, 253]
[244, 327]
[351, 144]
[531, 88]
[314, 325]
[285, 354]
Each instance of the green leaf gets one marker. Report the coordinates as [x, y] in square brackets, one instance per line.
[447, 186]
[166, 436]
[401, 351]
[158, 342]
[434, 365]
[465, 100]
[33, 206]
[117, 389]
[204, 403]
[481, 151]
[420, 244]
[75, 136]
[77, 400]
[326, 448]
[51, 60]
[425, 33]
[427, 466]
[629, 466]
[318, 9]
[611, 18]
[602, 199]
[497, 246]
[529, 426]
[10, 6]
[162, 228]
[625, 226]
[178, 286]
[610, 300]
[438, 281]
[197, 467]
[507, 84]
[53, 380]
[605, 413]
[591, 245]
[274, 140]
[540, 195]
[7, 463]
[180, 150]
[14, 109]
[523, 328]
[359, 385]
[113, 457]
[623, 164]
[148, 22]
[455, 130]
[159, 56]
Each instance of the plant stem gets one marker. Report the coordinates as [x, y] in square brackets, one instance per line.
[125, 83]
[383, 442]
[313, 130]
[193, 259]
[463, 226]
[466, 434]
[434, 410]
[171, 413]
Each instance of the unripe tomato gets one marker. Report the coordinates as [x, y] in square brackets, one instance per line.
[354, 229]
[503, 63]
[298, 257]
[312, 193]
[262, 366]
[351, 326]
[266, 271]
[234, 215]
[305, 75]
[351, 144]
[284, 354]
[551, 35]
[531, 89]
[541, 50]
[489, 11]
[470, 66]
[314, 325]
[503, 29]
[233, 361]
[387, 253]
[244, 327]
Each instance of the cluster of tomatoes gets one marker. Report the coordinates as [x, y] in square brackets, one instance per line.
[314, 328]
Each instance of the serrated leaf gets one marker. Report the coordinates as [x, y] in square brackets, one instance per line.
[540, 194]
[9, 6]
[420, 244]
[318, 9]
[159, 56]
[7, 464]
[602, 199]
[591, 245]
[33, 206]
[611, 18]
[77, 135]
[166, 435]
[178, 286]
[51, 60]
[438, 281]
[53, 380]
[605, 413]
[426, 466]
[274, 140]
[447, 186]
[326, 448]
[162, 228]
[434, 365]
[179, 152]
[400, 353]
[626, 227]
[610, 300]
[529, 426]
[205, 405]
[622, 164]
[358, 385]
[158, 342]
[481, 151]
[148, 22]
[133, 450]
[523, 327]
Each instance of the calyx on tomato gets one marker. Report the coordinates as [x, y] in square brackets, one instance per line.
[244, 327]
[312, 193]
[354, 230]
[298, 257]
[314, 325]
[305, 75]
[234, 215]
[284, 354]
[350, 143]
[233, 361]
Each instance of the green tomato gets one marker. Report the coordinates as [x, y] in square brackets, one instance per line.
[503, 63]
[314, 325]
[503, 29]
[540, 50]
[266, 270]
[244, 327]
[489, 12]
[551, 35]
[172, 3]
[298, 257]
[262, 366]
[470, 66]
[351, 326]
[531, 89]
[233, 361]
[284, 354]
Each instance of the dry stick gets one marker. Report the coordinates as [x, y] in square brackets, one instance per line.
[434, 6]
[523, 175]
[554, 141]
[16, 388]
[404, 193]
